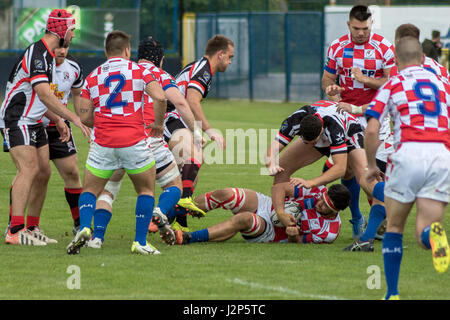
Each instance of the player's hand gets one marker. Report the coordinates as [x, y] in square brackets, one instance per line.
[287, 220]
[217, 137]
[300, 183]
[199, 141]
[333, 90]
[357, 75]
[374, 173]
[293, 231]
[85, 129]
[64, 131]
[156, 130]
[274, 169]
[344, 106]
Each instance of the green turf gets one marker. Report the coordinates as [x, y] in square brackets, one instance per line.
[229, 270]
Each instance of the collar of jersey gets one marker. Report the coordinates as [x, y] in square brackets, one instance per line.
[45, 44]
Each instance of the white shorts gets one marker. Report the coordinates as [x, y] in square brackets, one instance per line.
[264, 210]
[386, 148]
[163, 158]
[418, 170]
[103, 161]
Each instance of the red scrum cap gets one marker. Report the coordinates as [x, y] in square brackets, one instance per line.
[59, 22]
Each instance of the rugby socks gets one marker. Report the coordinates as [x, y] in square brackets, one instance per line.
[425, 237]
[17, 223]
[376, 216]
[199, 236]
[101, 220]
[86, 205]
[189, 173]
[144, 212]
[392, 257]
[168, 199]
[72, 197]
[32, 222]
[353, 186]
[378, 191]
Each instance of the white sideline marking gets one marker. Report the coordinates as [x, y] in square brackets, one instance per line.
[283, 290]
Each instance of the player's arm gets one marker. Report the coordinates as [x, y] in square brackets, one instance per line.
[278, 195]
[154, 90]
[194, 98]
[85, 109]
[76, 97]
[330, 87]
[44, 93]
[174, 95]
[63, 129]
[272, 157]
[335, 172]
[374, 83]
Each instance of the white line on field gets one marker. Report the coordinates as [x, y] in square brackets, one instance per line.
[255, 285]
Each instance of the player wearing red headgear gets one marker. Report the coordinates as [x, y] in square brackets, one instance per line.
[24, 134]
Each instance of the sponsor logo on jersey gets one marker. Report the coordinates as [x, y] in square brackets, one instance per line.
[309, 203]
[206, 76]
[369, 54]
[38, 64]
[348, 53]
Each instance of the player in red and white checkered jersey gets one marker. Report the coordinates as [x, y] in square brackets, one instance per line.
[112, 103]
[150, 57]
[319, 221]
[418, 171]
[360, 60]
[410, 30]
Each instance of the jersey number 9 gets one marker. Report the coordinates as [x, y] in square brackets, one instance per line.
[431, 106]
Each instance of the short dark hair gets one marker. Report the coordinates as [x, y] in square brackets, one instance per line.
[408, 50]
[339, 195]
[116, 42]
[310, 127]
[435, 34]
[151, 50]
[217, 43]
[360, 13]
[407, 30]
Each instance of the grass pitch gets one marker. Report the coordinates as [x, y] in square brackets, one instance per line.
[229, 270]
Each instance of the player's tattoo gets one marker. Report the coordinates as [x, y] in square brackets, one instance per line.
[84, 110]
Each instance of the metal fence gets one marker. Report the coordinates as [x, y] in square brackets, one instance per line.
[278, 56]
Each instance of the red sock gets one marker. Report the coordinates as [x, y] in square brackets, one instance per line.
[17, 223]
[72, 196]
[32, 222]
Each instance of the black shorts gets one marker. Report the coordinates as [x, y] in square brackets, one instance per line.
[172, 123]
[57, 148]
[24, 135]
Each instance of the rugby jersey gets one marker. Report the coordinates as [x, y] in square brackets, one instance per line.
[314, 228]
[418, 102]
[35, 65]
[116, 89]
[429, 64]
[372, 57]
[165, 80]
[68, 75]
[196, 75]
[338, 126]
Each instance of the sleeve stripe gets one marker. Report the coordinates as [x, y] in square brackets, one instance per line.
[327, 68]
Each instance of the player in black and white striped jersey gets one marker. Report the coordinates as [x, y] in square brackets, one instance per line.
[194, 82]
[323, 131]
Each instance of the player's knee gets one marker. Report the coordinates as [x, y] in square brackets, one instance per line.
[110, 192]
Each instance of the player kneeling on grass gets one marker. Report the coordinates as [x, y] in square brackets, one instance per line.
[316, 211]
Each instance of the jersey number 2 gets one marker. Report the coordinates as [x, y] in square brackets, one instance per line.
[111, 102]
[432, 99]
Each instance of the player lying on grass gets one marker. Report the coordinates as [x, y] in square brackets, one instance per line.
[322, 130]
[317, 211]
